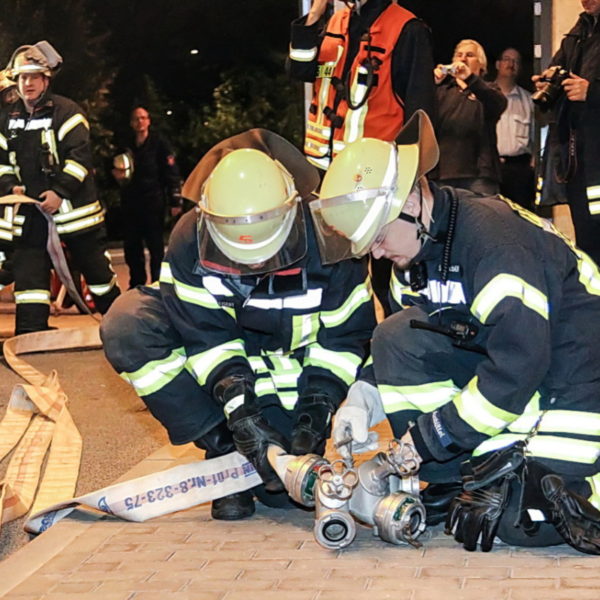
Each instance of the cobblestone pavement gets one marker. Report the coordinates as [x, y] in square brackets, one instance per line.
[187, 555]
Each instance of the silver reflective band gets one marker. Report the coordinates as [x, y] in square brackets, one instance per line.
[358, 196]
[257, 218]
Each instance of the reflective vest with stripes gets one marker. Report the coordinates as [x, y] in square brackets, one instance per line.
[331, 124]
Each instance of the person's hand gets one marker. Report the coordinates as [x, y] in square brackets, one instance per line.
[51, 201]
[460, 70]
[176, 211]
[19, 190]
[317, 10]
[439, 74]
[576, 88]
[539, 80]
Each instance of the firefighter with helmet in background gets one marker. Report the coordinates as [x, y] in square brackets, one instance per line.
[492, 355]
[45, 154]
[249, 339]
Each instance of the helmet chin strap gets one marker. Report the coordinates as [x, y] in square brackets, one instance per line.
[422, 231]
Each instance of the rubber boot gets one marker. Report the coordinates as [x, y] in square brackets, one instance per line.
[218, 442]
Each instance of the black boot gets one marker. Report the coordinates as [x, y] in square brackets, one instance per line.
[436, 498]
[218, 442]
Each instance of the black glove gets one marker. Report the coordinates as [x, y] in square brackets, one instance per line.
[477, 510]
[577, 521]
[477, 513]
[312, 424]
[252, 435]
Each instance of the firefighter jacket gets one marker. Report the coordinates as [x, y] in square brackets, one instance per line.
[370, 71]
[155, 175]
[50, 149]
[535, 298]
[297, 332]
[577, 122]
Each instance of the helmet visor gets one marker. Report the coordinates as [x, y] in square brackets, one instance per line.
[347, 226]
[285, 246]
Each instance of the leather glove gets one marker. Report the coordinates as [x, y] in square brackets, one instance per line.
[312, 425]
[252, 435]
[475, 515]
[575, 519]
[361, 410]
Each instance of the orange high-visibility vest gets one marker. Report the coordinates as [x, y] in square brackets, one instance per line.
[331, 123]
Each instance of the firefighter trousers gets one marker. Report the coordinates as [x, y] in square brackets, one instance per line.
[146, 350]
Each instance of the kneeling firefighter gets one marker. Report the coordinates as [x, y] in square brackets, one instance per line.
[248, 340]
[491, 356]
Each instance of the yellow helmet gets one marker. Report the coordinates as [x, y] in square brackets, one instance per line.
[5, 82]
[248, 209]
[366, 187]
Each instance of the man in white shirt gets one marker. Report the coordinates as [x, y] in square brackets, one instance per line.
[515, 132]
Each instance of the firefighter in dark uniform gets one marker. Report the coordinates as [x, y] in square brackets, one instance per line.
[493, 352]
[45, 154]
[148, 173]
[248, 339]
[371, 69]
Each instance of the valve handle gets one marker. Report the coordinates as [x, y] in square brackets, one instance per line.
[403, 458]
[336, 479]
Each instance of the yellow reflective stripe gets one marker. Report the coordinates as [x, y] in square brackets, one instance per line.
[69, 214]
[593, 192]
[369, 361]
[257, 364]
[3, 142]
[361, 294]
[203, 363]
[75, 169]
[32, 297]
[80, 224]
[305, 329]
[594, 482]
[425, 397]
[6, 235]
[480, 413]
[355, 119]
[398, 290]
[102, 289]
[503, 286]
[6, 170]
[155, 374]
[288, 399]
[343, 364]
[303, 55]
[546, 446]
[191, 294]
[264, 387]
[594, 207]
[70, 124]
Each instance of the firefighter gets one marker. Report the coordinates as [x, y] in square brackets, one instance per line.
[492, 354]
[248, 339]
[45, 154]
[371, 68]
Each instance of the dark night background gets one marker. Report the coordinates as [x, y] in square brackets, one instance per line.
[121, 52]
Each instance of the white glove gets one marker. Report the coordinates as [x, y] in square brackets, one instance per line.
[361, 410]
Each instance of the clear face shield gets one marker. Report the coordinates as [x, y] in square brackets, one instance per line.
[348, 225]
[252, 244]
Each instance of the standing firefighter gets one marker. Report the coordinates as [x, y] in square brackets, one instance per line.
[248, 340]
[492, 356]
[45, 154]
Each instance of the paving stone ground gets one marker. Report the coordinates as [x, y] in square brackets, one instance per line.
[187, 555]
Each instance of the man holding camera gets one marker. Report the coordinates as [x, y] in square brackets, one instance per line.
[571, 167]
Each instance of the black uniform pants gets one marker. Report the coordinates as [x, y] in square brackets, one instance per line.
[138, 339]
[31, 268]
[587, 227]
[143, 224]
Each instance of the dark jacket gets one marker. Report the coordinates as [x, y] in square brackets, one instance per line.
[466, 129]
[50, 150]
[536, 300]
[580, 53]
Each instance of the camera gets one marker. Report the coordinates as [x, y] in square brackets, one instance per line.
[547, 95]
[448, 69]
